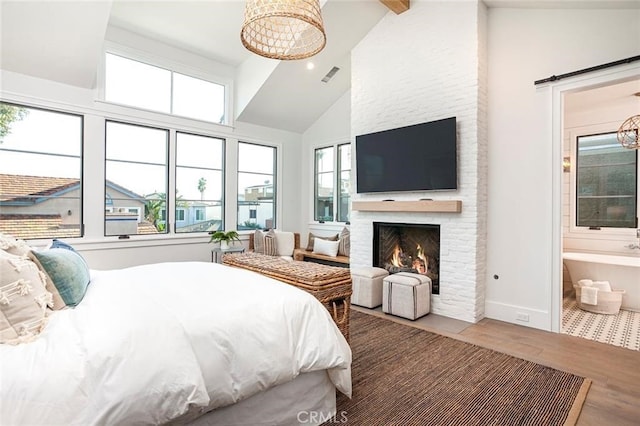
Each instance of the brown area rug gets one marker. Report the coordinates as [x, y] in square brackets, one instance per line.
[406, 376]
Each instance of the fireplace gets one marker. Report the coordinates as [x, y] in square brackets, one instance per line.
[408, 247]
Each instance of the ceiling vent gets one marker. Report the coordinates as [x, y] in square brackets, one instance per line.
[330, 74]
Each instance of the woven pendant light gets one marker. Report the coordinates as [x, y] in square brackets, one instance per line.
[283, 29]
[628, 132]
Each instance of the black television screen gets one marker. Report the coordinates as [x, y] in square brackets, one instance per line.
[421, 157]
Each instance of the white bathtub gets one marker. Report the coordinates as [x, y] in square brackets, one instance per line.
[623, 272]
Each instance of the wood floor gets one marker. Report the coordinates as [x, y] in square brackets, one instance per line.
[614, 397]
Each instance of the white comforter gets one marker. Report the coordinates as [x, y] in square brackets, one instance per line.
[148, 342]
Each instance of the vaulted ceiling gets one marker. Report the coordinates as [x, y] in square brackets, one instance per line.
[64, 40]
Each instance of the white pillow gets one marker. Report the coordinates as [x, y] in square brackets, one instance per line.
[326, 247]
[285, 243]
[23, 299]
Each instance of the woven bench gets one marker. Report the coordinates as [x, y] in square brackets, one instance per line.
[329, 284]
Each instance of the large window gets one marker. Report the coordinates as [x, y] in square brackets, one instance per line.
[137, 84]
[199, 183]
[40, 173]
[136, 179]
[332, 183]
[606, 183]
[256, 186]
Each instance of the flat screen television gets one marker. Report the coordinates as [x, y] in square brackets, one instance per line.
[421, 157]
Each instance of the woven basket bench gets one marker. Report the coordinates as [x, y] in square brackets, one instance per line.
[331, 285]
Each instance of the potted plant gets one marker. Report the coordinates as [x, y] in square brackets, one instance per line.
[224, 238]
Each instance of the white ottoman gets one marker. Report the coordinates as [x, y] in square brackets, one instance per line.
[406, 295]
[367, 286]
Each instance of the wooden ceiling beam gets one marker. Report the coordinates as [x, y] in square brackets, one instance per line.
[397, 6]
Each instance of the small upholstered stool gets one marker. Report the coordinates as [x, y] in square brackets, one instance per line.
[367, 286]
[406, 295]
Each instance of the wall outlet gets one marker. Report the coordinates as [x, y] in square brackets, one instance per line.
[522, 317]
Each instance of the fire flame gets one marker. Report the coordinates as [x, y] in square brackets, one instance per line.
[421, 267]
[420, 264]
[395, 259]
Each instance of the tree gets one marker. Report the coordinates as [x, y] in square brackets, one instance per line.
[154, 204]
[152, 210]
[9, 114]
[202, 185]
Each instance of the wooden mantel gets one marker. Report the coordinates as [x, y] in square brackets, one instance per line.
[423, 206]
[397, 6]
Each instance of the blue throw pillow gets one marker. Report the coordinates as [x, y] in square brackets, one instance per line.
[56, 243]
[66, 272]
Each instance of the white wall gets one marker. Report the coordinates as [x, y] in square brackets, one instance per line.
[427, 64]
[527, 45]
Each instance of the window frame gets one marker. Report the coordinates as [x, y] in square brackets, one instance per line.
[337, 182]
[602, 233]
[316, 175]
[171, 66]
[80, 157]
[169, 199]
[276, 153]
[338, 195]
[223, 170]
[611, 134]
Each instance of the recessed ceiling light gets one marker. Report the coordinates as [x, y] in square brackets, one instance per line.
[310, 65]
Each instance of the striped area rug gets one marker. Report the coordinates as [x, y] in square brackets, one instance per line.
[403, 375]
[622, 329]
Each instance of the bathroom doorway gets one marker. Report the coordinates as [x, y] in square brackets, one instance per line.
[595, 108]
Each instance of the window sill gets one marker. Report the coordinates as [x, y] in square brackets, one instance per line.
[135, 241]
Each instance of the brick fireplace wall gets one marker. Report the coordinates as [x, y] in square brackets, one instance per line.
[427, 64]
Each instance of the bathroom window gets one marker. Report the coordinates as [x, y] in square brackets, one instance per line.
[606, 183]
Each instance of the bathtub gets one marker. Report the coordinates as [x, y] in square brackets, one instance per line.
[623, 272]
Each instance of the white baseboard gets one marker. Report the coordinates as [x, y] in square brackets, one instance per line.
[518, 315]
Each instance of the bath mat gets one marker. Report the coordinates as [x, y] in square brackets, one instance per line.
[622, 329]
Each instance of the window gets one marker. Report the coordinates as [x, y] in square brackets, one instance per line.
[606, 183]
[332, 188]
[136, 178]
[137, 84]
[256, 186]
[199, 183]
[40, 173]
[344, 182]
[325, 182]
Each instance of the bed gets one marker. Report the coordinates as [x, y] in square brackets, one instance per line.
[179, 343]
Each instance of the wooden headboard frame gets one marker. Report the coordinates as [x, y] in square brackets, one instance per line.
[296, 241]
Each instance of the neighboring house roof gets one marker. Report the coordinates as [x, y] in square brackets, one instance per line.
[30, 226]
[146, 228]
[21, 189]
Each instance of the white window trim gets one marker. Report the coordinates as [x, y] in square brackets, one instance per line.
[312, 183]
[232, 202]
[167, 64]
[583, 232]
